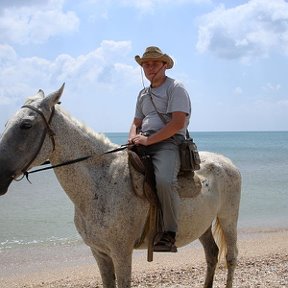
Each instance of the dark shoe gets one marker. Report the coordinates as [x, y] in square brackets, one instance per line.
[166, 243]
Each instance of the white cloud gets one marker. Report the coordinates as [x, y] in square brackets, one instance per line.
[254, 29]
[149, 5]
[95, 65]
[85, 69]
[270, 87]
[102, 76]
[7, 54]
[32, 22]
[4, 100]
[238, 91]
[283, 104]
[19, 3]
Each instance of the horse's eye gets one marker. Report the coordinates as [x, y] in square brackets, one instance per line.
[26, 125]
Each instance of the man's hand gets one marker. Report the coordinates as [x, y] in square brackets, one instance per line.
[140, 139]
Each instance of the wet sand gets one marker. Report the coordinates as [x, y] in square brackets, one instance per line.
[262, 262]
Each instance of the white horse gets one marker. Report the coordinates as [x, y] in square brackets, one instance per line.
[108, 215]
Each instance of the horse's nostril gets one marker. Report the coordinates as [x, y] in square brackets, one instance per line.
[26, 125]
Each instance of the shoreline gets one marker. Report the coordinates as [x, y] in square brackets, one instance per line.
[263, 256]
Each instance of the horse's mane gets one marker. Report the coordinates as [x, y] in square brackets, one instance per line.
[100, 137]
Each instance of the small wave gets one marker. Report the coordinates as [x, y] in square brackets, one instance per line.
[19, 243]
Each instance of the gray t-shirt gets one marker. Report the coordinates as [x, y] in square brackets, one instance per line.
[170, 97]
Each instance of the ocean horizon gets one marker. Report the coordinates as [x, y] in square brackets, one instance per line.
[42, 214]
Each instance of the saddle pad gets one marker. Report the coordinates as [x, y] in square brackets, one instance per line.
[189, 184]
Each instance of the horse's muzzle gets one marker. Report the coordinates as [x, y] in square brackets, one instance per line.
[5, 182]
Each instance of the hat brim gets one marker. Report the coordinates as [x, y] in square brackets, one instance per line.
[164, 58]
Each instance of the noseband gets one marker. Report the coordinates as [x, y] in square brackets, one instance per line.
[46, 130]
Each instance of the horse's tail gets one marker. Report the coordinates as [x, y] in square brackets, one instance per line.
[220, 239]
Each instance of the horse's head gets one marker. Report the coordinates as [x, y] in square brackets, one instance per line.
[21, 144]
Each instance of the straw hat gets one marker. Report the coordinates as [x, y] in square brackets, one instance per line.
[154, 53]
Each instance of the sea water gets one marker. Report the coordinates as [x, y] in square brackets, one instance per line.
[41, 213]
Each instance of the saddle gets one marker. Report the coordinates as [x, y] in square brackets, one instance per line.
[143, 182]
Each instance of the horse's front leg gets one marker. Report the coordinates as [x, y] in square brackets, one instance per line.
[106, 268]
[118, 262]
[122, 259]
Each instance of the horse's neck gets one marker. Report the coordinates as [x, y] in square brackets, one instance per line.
[74, 140]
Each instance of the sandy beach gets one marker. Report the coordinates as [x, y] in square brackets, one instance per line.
[263, 262]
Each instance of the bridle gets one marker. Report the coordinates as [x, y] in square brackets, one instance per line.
[43, 136]
[51, 135]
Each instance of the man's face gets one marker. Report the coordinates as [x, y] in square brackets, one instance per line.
[154, 69]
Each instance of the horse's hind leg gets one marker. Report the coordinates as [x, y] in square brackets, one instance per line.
[106, 268]
[211, 255]
[229, 228]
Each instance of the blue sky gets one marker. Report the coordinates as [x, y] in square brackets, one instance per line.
[231, 56]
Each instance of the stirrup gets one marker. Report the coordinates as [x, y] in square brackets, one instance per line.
[165, 244]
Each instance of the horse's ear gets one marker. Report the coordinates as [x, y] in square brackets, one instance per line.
[41, 93]
[54, 97]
